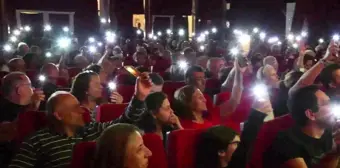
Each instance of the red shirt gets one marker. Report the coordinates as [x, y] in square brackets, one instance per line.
[189, 124]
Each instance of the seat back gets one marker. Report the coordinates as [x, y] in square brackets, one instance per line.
[83, 155]
[265, 137]
[109, 112]
[32, 74]
[28, 123]
[169, 88]
[73, 71]
[182, 148]
[62, 82]
[155, 144]
[126, 91]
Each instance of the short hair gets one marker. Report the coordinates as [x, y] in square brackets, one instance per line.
[191, 70]
[182, 99]
[111, 145]
[213, 59]
[302, 100]
[156, 79]
[210, 142]
[187, 50]
[93, 67]
[81, 84]
[291, 78]
[12, 62]
[326, 76]
[308, 58]
[10, 81]
[47, 67]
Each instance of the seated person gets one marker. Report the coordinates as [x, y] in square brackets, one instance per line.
[159, 117]
[87, 88]
[140, 59]
[121, 146]
[49, 86]
[81, 62]
[17, 64]
[52, 146]
[214, 66]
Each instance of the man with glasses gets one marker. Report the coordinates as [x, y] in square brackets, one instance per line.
[17, 97]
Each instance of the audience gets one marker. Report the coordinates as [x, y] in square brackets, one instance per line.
[17, 64]
[214, 66]
[121, 146]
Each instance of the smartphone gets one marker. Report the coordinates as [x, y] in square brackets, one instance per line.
[132, 70]
[242, 61]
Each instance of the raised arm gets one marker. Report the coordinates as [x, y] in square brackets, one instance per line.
[309, 77]
[105, 56]
[228, 107]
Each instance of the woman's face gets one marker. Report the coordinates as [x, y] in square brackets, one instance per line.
[136, 153]
[198, 101]
[164, 113]
[95, 87]
[226, 155]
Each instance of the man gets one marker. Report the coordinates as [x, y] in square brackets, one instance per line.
[22, 50]
[189, 56]
[49, 86]
[310, 142]
[330, 78]
[17, 97]
[17, 64]
[214, 66]
[52, 146]
[195, 75]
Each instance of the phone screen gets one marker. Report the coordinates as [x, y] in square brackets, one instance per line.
[242, 61]
[132, 70]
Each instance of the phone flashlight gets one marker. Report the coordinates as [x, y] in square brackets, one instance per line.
[260, 91]
[234, 51]
[132, 70]
[112, 86]
[335, 109]
[336, 37]
[182, 64]
[139, 32]
[48, 54]
[7, 47]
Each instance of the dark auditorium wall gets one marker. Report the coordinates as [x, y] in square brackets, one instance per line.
[86, 16]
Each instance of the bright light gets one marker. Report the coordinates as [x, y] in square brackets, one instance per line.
[206, 32]
[321, 40]
[92, 39]
[244, 39]
[47, 27]
[13, 39]
[336, 37]
[103, 20]
[110, 37]
[66, 29]
[335, 109]
[256, 30]
[150, 36]
[112, 86]
[304, 34]
[193, 34]
[181, 32]
[260, 91]
[64, 42]
[159, 33]
[262, 35]
[168, 31]
[16, 32]
[273, 39]
[290, 37]
[139, 32]
[7, 47]
[202, 47]
[201, 38]
[279, 43]
[295, 45]
[100, 44]
[298, 38]
[234, 51]
[214, 30]
[48, 54]
[237, 32]
[42, 78]
[92, 49]
[182, 64]
[154, 37]
[27, 28]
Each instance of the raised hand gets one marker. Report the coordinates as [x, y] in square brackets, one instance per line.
[332, 52]
[175, 121]
[143, 86]
[37, 97]
[116, 98]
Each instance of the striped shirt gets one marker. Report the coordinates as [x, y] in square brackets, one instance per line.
[47, 148]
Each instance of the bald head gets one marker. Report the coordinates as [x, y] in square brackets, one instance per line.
[81, 61]
[10, 81]
[50, 70]
[56, 100]
[17, 64]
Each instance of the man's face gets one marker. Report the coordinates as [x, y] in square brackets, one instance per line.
[324, 117]
[164, 114]
[198, 80]
[19, 65]
[141, 59]
[136, 153]
[24, 90]
[69, 111]
[309, 64]
[215, 66]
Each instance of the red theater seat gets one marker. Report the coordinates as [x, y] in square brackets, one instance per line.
[213, 83]
[87, 115]
[29, 122]
[161, 65]
[62, 82]
[182, 148]
[126, 91]
[123, 79]
[32, 74]
[83, 155]
[155, 144]
[3, 73]
[73, 71]
[169, 88]
[265, 137]
[109, 112]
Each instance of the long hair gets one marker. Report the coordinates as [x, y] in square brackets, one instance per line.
[111, 146]
[81, 85]
[153, 102]
[182, 101]
[212, 141]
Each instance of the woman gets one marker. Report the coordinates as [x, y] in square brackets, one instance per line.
[189, 105]
[159, 118]
[121, 146]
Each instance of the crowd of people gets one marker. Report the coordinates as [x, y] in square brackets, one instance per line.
[262, 86]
